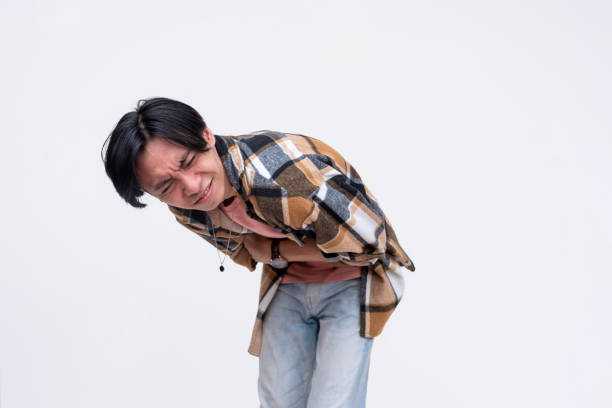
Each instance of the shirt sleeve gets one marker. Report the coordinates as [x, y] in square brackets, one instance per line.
[346, 225]
[338, 212]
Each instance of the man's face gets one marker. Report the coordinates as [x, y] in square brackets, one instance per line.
[182, 177]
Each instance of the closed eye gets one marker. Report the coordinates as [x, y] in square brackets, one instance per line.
[165, 190]
[191, 161]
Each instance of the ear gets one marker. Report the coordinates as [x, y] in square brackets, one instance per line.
[209, 137]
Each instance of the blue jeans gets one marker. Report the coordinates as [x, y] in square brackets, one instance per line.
[312, 355]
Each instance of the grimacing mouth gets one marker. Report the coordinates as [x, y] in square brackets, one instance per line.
[204, 192]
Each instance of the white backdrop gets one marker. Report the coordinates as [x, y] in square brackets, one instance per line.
[482, 127]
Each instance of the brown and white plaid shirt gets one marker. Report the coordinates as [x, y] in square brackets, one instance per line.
[306, 190]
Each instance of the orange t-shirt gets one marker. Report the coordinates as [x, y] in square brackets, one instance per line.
[307, 272]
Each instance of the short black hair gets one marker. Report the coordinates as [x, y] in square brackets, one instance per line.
[161, 118]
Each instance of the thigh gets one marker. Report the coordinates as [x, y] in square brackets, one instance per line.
[343, 357]
[288, 350]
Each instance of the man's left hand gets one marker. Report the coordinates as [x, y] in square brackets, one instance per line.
[259, 247]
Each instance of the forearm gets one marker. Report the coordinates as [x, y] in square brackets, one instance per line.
[295, 253]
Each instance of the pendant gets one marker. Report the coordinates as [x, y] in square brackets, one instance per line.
[221, 268]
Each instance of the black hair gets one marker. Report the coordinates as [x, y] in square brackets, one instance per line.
[161, 118]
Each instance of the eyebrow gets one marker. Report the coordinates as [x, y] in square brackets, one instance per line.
[166, 181]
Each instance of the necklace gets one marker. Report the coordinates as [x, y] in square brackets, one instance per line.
[221, 267]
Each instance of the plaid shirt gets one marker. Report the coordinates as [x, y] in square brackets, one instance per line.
[306, 190]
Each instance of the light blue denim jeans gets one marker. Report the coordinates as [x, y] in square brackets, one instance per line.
[312, 355]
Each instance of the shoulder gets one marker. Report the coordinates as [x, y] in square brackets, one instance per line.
[283, 158]
[278, 174]
[267, 141]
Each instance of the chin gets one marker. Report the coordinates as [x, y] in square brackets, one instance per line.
[208, 205]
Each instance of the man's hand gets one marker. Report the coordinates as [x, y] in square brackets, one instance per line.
[259, 247]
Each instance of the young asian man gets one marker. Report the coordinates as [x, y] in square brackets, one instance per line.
[331, 260]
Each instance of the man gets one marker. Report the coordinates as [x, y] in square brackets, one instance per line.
[330, 257]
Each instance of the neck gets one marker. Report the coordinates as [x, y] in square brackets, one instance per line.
[230, 191]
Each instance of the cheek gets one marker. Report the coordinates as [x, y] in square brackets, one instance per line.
[171, 198]
[208, 167]
[176, 197]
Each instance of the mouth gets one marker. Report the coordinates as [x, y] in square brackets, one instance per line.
[205, 194]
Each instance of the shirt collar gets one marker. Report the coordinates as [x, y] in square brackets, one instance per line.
[232, 159]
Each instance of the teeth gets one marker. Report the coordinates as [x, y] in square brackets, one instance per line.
[205, 191]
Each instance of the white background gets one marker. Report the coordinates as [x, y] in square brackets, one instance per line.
[483, 128]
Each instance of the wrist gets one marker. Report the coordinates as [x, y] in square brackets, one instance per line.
[277, 260]
[290, 251]
[282, 248]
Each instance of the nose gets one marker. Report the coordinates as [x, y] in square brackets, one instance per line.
[191, 184]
